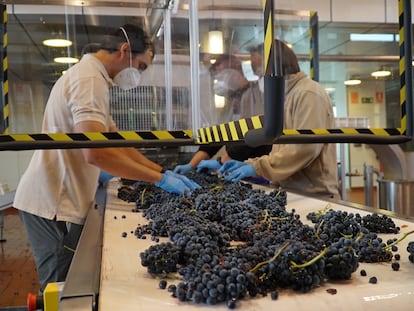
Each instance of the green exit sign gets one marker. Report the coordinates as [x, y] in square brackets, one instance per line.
[367, 100]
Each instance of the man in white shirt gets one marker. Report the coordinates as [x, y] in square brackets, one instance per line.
[58, 188]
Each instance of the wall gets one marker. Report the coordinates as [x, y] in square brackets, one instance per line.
[366, 99]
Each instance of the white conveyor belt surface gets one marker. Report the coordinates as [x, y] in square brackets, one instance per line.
[126, 285]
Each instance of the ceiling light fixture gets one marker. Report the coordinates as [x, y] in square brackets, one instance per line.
[352, 81]
[381, 73]
[57, 43]
[219, 101]
[215, 42]
[215, 37]
[66, 60]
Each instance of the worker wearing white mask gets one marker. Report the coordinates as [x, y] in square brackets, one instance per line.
[243, 99]
[58, 188]
[305, 168]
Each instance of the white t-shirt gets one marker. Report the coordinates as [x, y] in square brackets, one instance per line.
[60, 182]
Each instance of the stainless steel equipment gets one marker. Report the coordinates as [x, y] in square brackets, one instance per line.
[396, 196]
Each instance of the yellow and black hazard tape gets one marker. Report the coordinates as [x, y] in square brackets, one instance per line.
[5, 125]
[96, 136]
[268, 44]
[236, 131]
[314, 48]
[403, 90]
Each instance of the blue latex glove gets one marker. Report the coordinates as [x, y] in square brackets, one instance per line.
[183, 169]
[244, 171]
[209, 165]
[173, 184]
[230, 166]
[104, 177]
[187, 181]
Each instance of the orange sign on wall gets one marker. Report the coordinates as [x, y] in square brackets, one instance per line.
[354, 97]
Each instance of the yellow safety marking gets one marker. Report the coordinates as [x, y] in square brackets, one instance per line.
[130, 135]
[321, 131]
[6, 111]
[233, 131]
[60, 137]
[163, 134]
[209, 136]
[243, 126]
[216, 134]
[223, 132]
[256, 122]
[95, 136]
[22, 137]
[51, 297]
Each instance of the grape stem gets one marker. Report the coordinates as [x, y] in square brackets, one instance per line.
[260, 264]
[142, 196]
[310, 262]
[398, 241]
[319, 228]
[267, 219]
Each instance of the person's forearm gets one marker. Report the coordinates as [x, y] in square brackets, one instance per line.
[140, 158]
[118, 162]
[198, 157]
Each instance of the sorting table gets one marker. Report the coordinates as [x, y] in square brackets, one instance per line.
[126, 285]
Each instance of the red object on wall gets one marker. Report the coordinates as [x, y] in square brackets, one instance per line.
[379, 96]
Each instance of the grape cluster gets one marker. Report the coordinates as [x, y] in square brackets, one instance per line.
[162, 258]
[341, 260]
[410, 250]
[277, 250]
[378, 223]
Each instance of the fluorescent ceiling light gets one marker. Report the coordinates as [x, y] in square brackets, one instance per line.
[381, 73]
[66, 60]
[352, 81]
[374, 37]
[57, 43]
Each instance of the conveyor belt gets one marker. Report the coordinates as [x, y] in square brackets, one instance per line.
[125, 284]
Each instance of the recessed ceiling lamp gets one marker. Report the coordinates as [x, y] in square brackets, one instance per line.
[381, 73]
[66, 60]
[57, 43]
[352, 81]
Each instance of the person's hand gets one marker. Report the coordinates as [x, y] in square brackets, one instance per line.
[175, 183]
[209, 165]
[247, 170]
[230, 166]
[187, 181]
[104, 177]
[183, 169]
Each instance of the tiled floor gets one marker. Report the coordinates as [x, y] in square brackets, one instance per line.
[17, 268]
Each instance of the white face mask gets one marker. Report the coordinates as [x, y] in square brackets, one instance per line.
[128, 78]
[227, 81]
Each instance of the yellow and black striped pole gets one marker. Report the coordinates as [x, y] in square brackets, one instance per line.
[4, 114]
[274, 87]
[406, 83]
[314, 46]
[268, 45]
